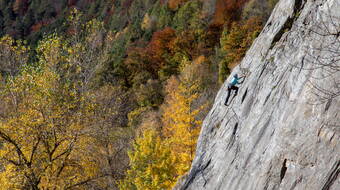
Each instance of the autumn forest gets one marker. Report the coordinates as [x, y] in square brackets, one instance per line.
[111, 94]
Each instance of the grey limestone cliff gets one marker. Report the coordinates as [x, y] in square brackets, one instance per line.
[282, 130]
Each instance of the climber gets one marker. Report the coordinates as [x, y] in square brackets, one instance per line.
[232, 86]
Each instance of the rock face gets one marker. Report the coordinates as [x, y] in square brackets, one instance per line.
[282, 130]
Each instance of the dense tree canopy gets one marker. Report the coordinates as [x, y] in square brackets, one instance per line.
[111, 94]
[44, 130]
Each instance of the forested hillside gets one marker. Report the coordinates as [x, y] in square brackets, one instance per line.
[111, 94]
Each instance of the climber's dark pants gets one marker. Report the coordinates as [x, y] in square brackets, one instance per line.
[229, 92]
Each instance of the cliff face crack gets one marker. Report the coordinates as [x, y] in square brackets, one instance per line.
[193, 174]
[332, 176]
[289, 22]
[263, 68]
[265, 101]
[206, 165]
[244, 96]
[328, 104]
[296, 182]
[235, 128]
[232, 138]
[283, 170]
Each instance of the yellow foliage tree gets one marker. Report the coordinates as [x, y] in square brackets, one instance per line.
[181, 125]
[152, 164]
[44, 130]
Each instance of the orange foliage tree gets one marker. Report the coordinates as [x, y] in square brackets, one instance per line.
[158, 48]
[137, 61]
[227, 11]
[152, 58]
[174, 4]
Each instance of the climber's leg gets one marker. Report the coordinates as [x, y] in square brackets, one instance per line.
[228, 95]
[236, 90]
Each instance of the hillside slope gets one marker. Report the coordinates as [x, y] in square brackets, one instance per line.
[282, 130]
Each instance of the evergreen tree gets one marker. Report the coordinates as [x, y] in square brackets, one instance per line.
[8, 15]
[28, 21]
[2, 24]
[187, 16]
[19, 27]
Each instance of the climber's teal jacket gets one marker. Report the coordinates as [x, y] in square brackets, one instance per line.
[234, 81]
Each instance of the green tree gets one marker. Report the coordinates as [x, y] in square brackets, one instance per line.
[187, 17]
[163, 14]
[2, 24]
[8, 16]
[28, 21]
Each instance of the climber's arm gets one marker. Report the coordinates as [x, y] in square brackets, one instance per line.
[242, 80]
